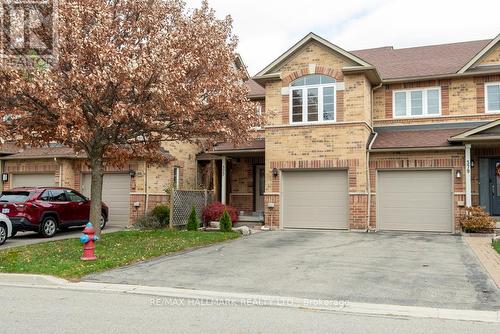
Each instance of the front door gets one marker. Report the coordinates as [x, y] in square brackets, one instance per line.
[259, 188]
[495, 187]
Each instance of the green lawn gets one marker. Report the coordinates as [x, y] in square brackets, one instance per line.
[62, 258]
[496, 245]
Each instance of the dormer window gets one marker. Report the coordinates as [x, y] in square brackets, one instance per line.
[312, 99]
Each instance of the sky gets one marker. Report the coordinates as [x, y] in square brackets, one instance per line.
[267, 28]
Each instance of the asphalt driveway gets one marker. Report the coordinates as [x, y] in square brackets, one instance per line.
[405, 269]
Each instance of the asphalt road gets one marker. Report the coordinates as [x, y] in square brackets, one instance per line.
[35, 310]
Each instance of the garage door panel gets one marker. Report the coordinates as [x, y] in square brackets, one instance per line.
[116, 195]
[297, 199]
[33, 180]
[396, 201]
[315, 199]
[415, 200]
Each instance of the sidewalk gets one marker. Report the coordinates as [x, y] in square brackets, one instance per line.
[488, 257]
[164, 295]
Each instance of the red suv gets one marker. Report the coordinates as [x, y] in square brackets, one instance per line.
[45, 209]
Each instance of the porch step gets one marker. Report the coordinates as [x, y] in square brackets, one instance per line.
[250, 221]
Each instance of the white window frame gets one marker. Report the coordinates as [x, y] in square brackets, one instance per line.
[176, 177]
[486, 85]
[424, 91]
[304, 90]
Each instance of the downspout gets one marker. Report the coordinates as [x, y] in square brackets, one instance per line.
[2, 168]
[60, 172]
[368, 179]
[146, 188]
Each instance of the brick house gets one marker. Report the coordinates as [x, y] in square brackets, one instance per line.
[128, 191]
[386, 139]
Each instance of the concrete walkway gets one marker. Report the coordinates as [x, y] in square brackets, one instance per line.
[488, 257]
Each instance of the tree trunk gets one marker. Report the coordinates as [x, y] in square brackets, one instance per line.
[96, 193]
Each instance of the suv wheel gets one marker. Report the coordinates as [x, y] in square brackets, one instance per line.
[103, 221]
[3, 234]
[48, 227]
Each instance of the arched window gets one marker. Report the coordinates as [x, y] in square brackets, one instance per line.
[312, 99]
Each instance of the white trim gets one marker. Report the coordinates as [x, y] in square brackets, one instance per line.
[480, 54]
[486, 85]
[223, 181]
[309, 37]
[305, 90]
[468, 177]
[424, 91]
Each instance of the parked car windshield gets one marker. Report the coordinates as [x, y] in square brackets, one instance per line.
[14, 196]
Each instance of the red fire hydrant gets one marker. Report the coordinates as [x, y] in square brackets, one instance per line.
[87, 239]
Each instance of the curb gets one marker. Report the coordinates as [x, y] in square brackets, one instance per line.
[207, 298]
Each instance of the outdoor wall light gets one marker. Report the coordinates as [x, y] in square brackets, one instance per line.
[131, 173]
[275, 172]
[458, 174]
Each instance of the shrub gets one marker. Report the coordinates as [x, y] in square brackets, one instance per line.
[193, 221]
[225, 222]
[475, 219]
[214, 211]
[148, 222]
[162, 213]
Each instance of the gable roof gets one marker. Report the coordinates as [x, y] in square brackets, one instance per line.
[480, 54]
[423, 61]
[479, 133]
[308, 38]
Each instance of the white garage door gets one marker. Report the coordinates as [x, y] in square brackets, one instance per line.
[415, 201]
[315, 199]
[33, 180]
[116, 195]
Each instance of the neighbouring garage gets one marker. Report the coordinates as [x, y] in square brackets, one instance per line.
[115, 193]
[33, 180]
[315, 199]
[415, 200]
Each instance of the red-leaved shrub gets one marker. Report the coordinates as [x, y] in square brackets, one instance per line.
[213, 212]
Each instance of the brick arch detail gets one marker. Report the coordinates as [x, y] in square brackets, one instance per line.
[331, 72]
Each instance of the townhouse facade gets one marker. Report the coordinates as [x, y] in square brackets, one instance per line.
[379, 139]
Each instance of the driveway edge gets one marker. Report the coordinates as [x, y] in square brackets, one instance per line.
[162, 295]
[486, 255]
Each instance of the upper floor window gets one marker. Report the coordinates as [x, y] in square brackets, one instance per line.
[417, 102]
[492, 96]
[312, 99]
